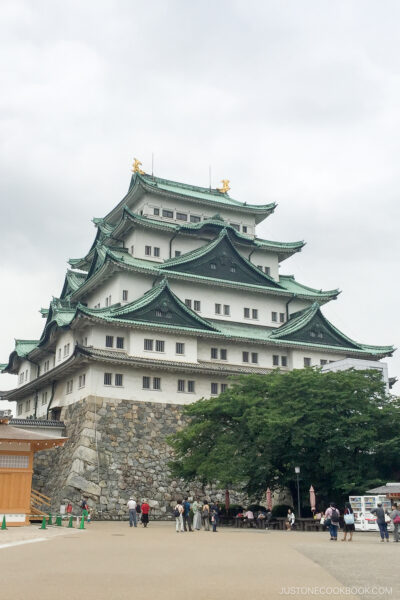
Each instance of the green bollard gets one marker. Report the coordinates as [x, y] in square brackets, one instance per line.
[4, 524]
[82, 525]
[50, 521]
[70, 523]
[43, 526]
[58, 521]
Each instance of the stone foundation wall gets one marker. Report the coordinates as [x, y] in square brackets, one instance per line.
[115, 449]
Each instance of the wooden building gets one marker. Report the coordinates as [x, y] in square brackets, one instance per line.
[17, 447]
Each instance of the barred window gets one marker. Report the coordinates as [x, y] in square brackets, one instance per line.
[148, 344]
[120, 342]
[180, 348]
[191, 387]
[246, 313]
[214, 389]
[118, 379]
[146, 383]
[160, 346]
[107, 379]
[245, 357]
[156, 383]
[254, 357]
[181, 385]
[223, 354]
[109, 341]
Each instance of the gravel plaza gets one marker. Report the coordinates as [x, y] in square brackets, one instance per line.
[109, 560]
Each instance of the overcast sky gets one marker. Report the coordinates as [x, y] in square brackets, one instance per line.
[294, 101]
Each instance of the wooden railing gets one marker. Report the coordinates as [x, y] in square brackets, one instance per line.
[40, 503]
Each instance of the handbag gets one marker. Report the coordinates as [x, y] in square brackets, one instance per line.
[396, 520]
[349, 519]
[328, 521]
[387, 519]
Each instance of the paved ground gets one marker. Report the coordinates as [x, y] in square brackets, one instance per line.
[111, 561]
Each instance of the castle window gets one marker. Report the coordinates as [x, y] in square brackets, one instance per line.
[19, 408]
[146, 383]
[120, 342]
[124, 295]
[254, 313]
[254, 357]
[284, 361]
[156, 251]
[259, 267]
[177, 253]
[158, 313]
[245, 357]
[107, 378]
[196, 304]
[194, 219]
[59, 354]
[223, 387]
[223, 354]
[282, 317]
[235, 226]
[131, 250]
[227, 310]
[180, 348]
[312, 333]
[188, 303]
[148, 345]
[217, 309]
[244, 229]
[274, 317]
[160, 346]
[156, 211]
[44, 398]
[214, 353]
[191, 387]
[181, 216]
[233, 269]
[66, 350]
[147, 250]
[70, 384]
[109, 341]
[320, 334]
[275, 360]
[156, 383]
[168, 214]
[27, 405]
[214, 389]
[323, 362]
[267, 270]
[246, 313]
[118, 379]
[307, 361]
[213, 266]
[181, 385]
[82, 380]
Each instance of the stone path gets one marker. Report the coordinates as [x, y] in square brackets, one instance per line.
[111, 561]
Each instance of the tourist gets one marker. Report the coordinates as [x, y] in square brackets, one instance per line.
[178, 514]
[395, 516]
[249, 518]
[290, 520]
[381, 518]
[85, 508]
[186, 515]
[268, 518]
[138, 511]
[145, 508]
[332, 520]
[205, 515]
[131, 504]
[196, 506]
[260, 521]
[214, 517]
[348, 517]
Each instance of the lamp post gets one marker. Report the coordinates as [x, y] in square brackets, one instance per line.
[297, 471]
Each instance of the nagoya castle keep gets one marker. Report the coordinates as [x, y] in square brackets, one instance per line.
[176, 294]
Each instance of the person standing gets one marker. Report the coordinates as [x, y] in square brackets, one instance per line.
[145, 513]
[395, 516]
[186, 515]
[381, 521]
[178, 514]
[205, 515]
[332, 520]
[196, 507]
[85, 508]
[348, 517]
[214, 517]
[290, 520]
[131, 504]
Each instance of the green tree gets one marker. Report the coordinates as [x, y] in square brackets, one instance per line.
[341, 428]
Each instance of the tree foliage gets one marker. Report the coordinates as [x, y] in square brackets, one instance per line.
[341, 428]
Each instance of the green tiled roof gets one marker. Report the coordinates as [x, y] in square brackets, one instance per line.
[73, 280]
[291, 285]
[23, 347]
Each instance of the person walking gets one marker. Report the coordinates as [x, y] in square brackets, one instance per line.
[348, 527]
[332, 520]
[85, 508]
[196, 507]
[145, 513]
[214, 517]
[131, 504]
[186, 515]
[290, 520]
[395, 516]
[178, 514]
[381, 521]
[205, 515]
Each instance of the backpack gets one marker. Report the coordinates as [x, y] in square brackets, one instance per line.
[176, 512]
[334, 517]
[206, 513]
